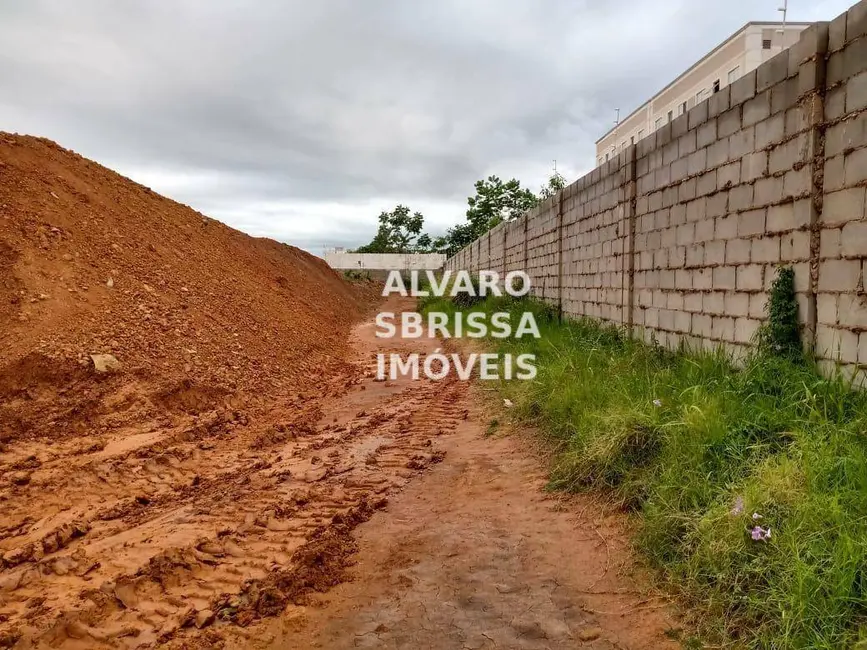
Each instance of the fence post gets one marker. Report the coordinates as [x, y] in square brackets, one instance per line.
[560, 254]
[812, 83]
[631, 199]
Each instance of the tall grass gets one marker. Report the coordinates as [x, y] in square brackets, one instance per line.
[693, 447]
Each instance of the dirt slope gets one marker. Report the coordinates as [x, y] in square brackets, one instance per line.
[228, 346]
[91, 262]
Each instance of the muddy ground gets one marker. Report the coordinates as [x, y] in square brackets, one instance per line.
[370, 514]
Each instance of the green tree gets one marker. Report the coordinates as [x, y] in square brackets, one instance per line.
[495, 202]
[556, 183]
[399, 232]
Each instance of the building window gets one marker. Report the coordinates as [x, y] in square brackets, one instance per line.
[766, 44]
[716, 86]
[632, 140]
[683, 108]
[699, 97]
[734, 73]
[658, 122]
[606, 157]
[640, 134]
[670, 115]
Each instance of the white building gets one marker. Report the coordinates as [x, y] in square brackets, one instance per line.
[742, 52]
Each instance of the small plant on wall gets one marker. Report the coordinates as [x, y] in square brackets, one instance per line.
[781, 335]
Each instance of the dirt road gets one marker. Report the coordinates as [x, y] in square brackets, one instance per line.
[221, 531]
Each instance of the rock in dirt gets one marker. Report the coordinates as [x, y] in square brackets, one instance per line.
[204, 618]
[20, 478]
[590, 633]
[105, 363]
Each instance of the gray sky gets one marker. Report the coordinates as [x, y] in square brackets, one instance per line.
[302, 120]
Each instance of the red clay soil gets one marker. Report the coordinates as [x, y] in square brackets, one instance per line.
[91, 263]
[226, 345]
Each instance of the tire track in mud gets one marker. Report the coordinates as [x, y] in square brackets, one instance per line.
[218, 521]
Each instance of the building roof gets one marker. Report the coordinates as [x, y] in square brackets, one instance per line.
[697, 63]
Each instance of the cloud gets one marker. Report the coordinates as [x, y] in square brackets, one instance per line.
[304, 120]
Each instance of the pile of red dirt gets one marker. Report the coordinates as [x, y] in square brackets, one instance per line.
[195, 313]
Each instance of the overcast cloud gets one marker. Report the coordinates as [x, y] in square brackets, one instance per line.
[303, 120]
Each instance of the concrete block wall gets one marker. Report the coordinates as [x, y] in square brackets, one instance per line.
[841, 309]
[679, 237]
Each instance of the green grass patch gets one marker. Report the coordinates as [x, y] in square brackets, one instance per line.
[693, 446]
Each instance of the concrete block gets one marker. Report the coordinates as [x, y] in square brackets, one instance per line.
[686, 190]
[740, 198]
[692, 301]
[714, 303]
[781, 218]
[770, 131]
[685, 234]
[706, 134]
[697, 162]
[854, 57]
[698, 115]
[674, 300]
[797, 182]
[694, 256]
[682, 321]
[718, 153]
[719, 102]
[772, 72]
[737, 304]
[742, 142]
[767, 191]
[766, 249]
[783, 96]
[856, 166]
[862, 348]
[714, 253]
[856, 21]
[729, 122]
[701, 325]
[706, 183]
[751, 223]
[754, 165]
[679, 126]
[724, 277]
[839, 275]
[686, 144]
[835, 103]
[729, 175]
[852, 311]
[704, 230]
[677, 257]
[726, 227]
[678, 214]
[744, 88]
[738, 251]
[826, 308]
[756, 109]
[723, 328]
[746, 329]
[854, 239]
[750, 277]
[837, 33]
[717, 204]
[795, 246]
[666, 319]
[696, 210]
[757, 305]
[843, 206]
[830, 244]
[702, 279]
[834, 70]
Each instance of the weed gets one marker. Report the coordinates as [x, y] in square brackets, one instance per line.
[694, 446]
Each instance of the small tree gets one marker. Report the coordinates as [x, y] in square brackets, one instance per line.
[781, 335]
[399, 232]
